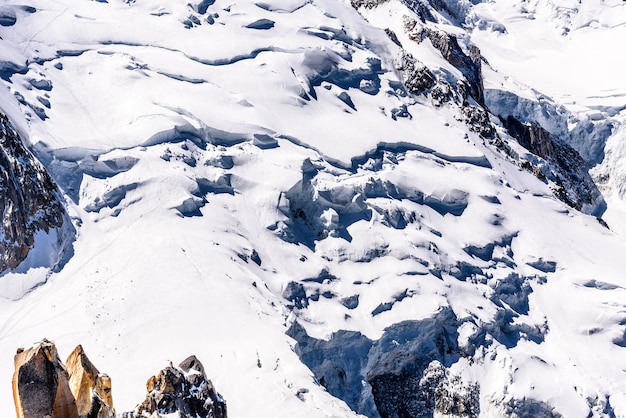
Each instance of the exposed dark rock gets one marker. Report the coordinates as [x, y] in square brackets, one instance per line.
[368, 4]
[184, 390]
[417, 77]
[392, 35]
[41, 384]
[531, 136]
[29, 199]
[447, 44]
[478, 121]
[573, 184]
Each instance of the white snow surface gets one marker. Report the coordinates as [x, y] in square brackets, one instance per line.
[180, 145]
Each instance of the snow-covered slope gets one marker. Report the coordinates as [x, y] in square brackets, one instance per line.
[289, 188]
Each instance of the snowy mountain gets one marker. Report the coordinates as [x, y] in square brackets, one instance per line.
[393, 208]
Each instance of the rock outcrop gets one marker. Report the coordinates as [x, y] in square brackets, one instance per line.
[184, 390]
[469, 65]
[43, 387]
[29, 199]
[566, 168]
[41, 384]
[90, 388]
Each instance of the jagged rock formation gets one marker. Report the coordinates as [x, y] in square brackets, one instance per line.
[467, 93]
[417, 77]
[448, 46]
[184, 389]
[563, 165]
[43, 387]
[567, 169]
[91, 389]
[29, 200]
[41, 384]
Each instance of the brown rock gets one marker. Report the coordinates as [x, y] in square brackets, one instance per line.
[41, 384]
[90, 388]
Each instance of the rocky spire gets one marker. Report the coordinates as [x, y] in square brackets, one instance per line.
[41, 384]
[90, 388]
[45, 388]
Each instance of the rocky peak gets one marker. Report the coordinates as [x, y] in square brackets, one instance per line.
[29, 199]
[184, 390]
[90, 388]
[44, 387]
[41, 384]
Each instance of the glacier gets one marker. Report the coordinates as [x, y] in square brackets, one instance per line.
[392, 208]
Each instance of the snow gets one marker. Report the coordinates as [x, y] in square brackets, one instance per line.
[183, 152]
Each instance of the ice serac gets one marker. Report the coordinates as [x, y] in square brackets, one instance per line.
[90, 388]
[184, 390]
[41, 384]
[29, 202]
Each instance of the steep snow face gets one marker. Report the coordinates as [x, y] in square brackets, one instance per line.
[238, 172]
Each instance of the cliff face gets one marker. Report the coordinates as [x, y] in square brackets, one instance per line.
[29, 200]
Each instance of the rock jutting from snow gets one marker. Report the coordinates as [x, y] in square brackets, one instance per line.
[41, 384]
[44, 387]
[29, 200]
[184, 390]
[451, 51]
[90, 388]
